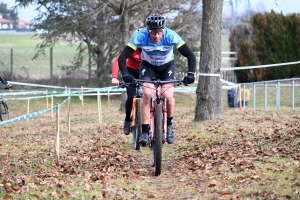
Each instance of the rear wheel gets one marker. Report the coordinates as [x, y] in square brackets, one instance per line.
[137, 129]
[157, 142]
[4, 112]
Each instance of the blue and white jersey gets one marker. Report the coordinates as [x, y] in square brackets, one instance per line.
[156, 54]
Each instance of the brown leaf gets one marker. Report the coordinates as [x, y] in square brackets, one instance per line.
[225, 192]
[88, 186]
[65, 195]
[212, 183]
[55, 193]
[240, 177]
[7, 197]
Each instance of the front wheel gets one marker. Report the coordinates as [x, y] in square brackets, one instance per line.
[157, 141]
[137, 129]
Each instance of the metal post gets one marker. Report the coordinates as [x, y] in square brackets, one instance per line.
[254, 96]
[51, 66]
[57, 142]
[266, 96]
[108, 99]
[244, 95]
[11, 64]
[278, 95]
[293, 95]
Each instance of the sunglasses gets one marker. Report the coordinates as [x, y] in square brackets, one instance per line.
[154, 32]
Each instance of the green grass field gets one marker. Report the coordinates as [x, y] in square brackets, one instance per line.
[23, 47]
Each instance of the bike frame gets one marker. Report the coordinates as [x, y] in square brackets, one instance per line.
[158, 99]
[133, 110]
[137, 97]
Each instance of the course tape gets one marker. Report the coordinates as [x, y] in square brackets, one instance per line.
[258, 66]
[207, 74]
[33, 114]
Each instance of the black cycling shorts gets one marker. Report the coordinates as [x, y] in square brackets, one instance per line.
[164, 72]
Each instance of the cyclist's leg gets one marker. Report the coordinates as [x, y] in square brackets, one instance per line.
[168, 93]
[130, 93]
[128, 104]
[146, 72]
[167, 74]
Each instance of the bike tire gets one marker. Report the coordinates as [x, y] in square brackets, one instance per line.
[1, 112]
[137, 129]
[4, 111]
[157, 142]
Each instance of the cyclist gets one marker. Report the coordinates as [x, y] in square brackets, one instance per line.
[157, 42]
[133, 66]
[5, 83]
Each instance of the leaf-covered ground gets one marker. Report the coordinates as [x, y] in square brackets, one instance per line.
[245, 155]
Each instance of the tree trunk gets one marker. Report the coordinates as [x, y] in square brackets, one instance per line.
[209, 88]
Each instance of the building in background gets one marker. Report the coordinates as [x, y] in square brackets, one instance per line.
[5, 23]
[24, 24]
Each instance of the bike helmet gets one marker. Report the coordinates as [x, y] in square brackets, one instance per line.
[155, 21]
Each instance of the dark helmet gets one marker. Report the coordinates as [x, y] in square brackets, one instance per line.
[155, 21]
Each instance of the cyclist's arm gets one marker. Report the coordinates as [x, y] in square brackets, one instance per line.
[126, 53]
[115, 68]
[186, 52]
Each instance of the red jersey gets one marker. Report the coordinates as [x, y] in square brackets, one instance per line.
[133, 62]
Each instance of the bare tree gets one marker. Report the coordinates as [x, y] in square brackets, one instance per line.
[209, 86]
[101, 28]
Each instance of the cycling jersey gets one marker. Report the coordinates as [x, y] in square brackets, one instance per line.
[133, 62]
[156, 54]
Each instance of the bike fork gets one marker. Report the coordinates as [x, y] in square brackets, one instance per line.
[151, 123]
[165, 114]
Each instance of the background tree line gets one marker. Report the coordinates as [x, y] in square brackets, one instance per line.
[268, 38]
[101, 29]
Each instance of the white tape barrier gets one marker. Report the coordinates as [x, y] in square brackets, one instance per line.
[35, 85]
[32, 114]
[259, 66]
[207, 74]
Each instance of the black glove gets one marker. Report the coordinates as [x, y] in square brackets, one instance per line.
[189, 79]
[128, 78]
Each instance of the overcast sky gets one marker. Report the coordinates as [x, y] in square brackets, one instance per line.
[284, 6]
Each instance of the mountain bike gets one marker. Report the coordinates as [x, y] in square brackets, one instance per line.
[158, 120]
[136, 122]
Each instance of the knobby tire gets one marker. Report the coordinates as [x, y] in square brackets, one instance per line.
[0, 113]
[137, 129]
[157, 142]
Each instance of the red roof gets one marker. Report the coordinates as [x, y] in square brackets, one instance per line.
[2, 20]
[24, 21]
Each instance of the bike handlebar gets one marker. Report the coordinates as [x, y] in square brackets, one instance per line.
[155, 82]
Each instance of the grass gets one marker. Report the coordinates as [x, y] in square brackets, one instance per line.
[248, 154]
[23, 50]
